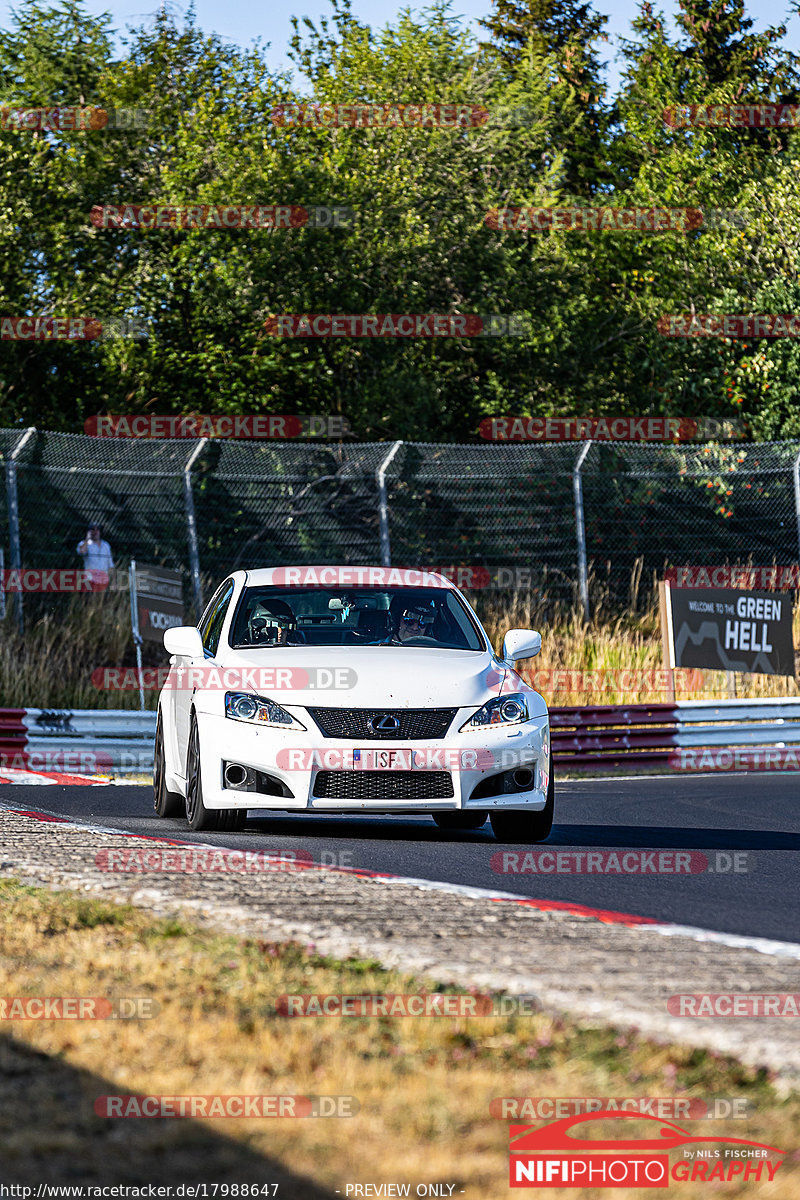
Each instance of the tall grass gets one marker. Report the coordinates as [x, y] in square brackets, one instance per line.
[67, 638]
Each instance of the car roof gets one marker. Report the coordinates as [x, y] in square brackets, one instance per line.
[347, 576]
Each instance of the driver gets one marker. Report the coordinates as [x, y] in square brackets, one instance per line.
[272, 622]
[416, 620]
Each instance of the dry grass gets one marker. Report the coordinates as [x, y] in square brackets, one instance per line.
[424, 1085]
[65, 640]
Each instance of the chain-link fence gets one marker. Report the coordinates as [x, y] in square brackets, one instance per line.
[522, 510]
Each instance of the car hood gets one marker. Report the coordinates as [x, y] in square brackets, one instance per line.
[379, 676]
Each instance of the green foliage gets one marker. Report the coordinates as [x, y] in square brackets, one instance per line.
[419, 241]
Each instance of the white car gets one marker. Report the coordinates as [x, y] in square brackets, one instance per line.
[351, 690]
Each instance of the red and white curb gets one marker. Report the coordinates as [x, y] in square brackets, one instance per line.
[48, 777]
[778, 949]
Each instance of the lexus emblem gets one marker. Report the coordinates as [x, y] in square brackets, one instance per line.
[385, 723]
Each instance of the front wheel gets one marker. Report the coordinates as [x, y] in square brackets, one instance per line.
[166, 804]
[521, 827]
[460, 820]
[225, 820]
[198, 816]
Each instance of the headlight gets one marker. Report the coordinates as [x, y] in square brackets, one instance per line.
[258, 710]
[505, 710]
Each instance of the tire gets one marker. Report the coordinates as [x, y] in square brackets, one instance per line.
[523, 827]
[460, 820]
[231, 820]
[166, 804]
[198, 816]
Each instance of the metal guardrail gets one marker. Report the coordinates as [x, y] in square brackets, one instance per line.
[85, 741]
[648, 735]
[119, 742]
[89, 722]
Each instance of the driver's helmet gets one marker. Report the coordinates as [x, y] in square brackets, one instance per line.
[271, 621]
[416, 618]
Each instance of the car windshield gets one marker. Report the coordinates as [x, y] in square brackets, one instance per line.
[315, 616]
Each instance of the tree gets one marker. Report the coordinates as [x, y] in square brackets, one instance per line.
[567, 30]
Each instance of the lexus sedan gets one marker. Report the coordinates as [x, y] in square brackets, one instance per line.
[351, 690]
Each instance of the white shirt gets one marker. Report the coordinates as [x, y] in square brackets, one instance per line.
[96, 555]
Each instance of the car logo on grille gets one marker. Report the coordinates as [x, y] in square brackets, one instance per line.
[385, 723]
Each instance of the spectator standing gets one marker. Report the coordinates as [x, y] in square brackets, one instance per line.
[96, 553]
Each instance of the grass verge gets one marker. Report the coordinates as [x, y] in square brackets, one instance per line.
[424, 1085]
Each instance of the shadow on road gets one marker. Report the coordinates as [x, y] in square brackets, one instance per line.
[49, 1133]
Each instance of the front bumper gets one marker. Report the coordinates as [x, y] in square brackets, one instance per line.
[295, 759]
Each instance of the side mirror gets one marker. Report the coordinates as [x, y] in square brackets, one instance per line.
[183, 640]
[521, 643]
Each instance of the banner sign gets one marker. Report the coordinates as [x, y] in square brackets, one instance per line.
[159, 601]
[725, 629]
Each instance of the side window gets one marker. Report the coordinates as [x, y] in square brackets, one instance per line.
[214, 617]
[208, 611]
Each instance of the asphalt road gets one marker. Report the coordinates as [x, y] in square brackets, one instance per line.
[746, 826]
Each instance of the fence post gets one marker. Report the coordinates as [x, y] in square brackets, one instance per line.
[191, 528]
[796, 473]
[580, 526]
[383, 509]
[13, 517]
[137, 637]
[2, 583]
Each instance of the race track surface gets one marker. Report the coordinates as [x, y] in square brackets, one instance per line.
[750, 822]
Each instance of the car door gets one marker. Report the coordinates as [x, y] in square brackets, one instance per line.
[210, 626]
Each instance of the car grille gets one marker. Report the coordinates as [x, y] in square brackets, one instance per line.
[415, 723]
[383, 785]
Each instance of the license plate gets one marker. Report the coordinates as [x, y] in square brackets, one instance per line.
[382, 760]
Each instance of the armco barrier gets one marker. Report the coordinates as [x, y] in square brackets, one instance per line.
[13, 734]
[114, 742]
[652, 734]
[88, 741]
